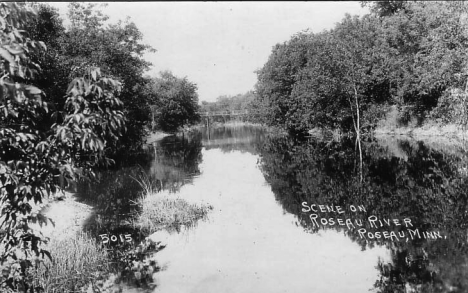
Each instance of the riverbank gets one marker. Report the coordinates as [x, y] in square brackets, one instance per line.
[445, 137]
[155, 136]
[77, 258]
[392, 124]
[67, 214]
[158, 135]
[232, 123]
[450, 131]
[74, 251]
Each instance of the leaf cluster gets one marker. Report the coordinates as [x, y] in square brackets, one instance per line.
[403, 53]
[174, 102]
[35, 161]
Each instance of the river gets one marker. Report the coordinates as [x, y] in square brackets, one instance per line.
[300, 216]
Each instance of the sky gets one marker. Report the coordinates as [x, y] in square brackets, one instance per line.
[220, 45]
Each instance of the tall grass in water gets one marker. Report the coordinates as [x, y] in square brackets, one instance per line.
[147, 183]
[76, 262]
[163, 209]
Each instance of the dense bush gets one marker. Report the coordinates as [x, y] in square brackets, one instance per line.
[174, 102]
[407, 54]
[42, 149]
[452, 107]
[88, 41]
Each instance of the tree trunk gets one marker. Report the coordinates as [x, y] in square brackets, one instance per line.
[357, 127]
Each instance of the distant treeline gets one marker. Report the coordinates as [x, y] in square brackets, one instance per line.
[409, 54]
[225, 103]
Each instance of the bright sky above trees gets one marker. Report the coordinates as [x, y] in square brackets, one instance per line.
[219, 45]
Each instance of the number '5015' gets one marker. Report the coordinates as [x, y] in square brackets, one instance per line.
[113, 238]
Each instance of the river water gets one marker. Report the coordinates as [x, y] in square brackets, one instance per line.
[301, 216]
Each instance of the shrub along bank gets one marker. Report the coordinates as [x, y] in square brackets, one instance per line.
[408, 54]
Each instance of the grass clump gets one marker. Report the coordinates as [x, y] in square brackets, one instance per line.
[164, 210]
[76, 262]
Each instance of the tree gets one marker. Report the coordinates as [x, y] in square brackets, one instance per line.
[338, 63]
[386, 7]
[89, 41]
[277, 78]
[175, 102]
[240, 102]
[48, 27]
[363, 65]
[34, 157]
[427, 45]
[405, 53]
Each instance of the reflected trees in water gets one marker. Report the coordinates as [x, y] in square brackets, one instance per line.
[176, 161]
[242, 138]
[169, 165]
[424, 184]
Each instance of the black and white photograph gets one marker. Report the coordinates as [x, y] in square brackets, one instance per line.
[234, 147]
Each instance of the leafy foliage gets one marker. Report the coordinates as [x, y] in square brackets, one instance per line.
[54, 78]
[174, 102]
[89, 42]
[118, 51]
[277, 78]
[36, 160]
[427, 46]
[385, 7]
[403, 53]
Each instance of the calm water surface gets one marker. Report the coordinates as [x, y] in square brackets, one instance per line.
[260, 238]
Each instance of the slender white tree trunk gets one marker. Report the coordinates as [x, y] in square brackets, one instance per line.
[357, 127]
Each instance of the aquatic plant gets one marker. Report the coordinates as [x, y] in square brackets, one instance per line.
[163, 209]
[159, 210]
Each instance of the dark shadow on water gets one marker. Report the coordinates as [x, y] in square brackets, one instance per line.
[113, 194]
[170, 163]
[425, 185]
[400, 179]
[177, 160]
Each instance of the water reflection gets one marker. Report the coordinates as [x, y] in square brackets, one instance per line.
[259, 239]
[250, 245]
[419, 183]
[170, 163]
[176, 161]
[233, 138]
[113, 194]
